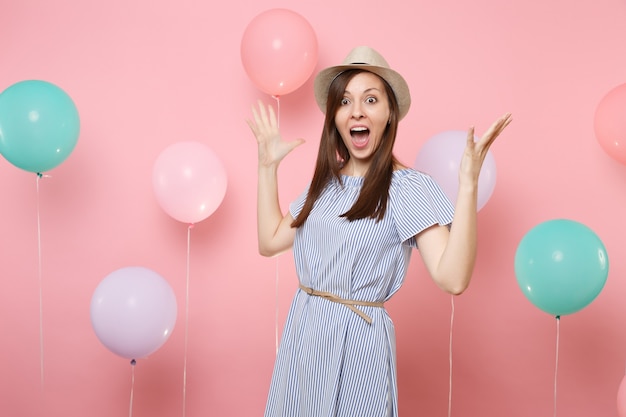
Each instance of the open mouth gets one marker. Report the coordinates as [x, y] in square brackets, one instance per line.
[360, 136]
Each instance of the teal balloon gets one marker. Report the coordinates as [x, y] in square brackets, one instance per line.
[39, 125]
[561, 266]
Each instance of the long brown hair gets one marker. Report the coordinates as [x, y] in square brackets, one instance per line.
[372, 200]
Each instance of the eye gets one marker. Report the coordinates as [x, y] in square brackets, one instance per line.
[344, 101]
[371, 100]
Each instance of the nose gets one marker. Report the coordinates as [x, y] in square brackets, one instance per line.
[357, 113]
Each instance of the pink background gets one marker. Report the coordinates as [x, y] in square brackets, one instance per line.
[146, 74]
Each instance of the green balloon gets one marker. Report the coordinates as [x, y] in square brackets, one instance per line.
[39, 125]
[561, 266]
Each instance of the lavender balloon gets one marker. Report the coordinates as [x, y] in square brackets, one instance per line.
[133, 312]
[440, 157]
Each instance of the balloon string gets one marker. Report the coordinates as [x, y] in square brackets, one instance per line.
[556, 367]
[39, 274]
[186, 320]
[276, 295]
[277, 98]
[450, 357]
[276, 308]
[132, 386]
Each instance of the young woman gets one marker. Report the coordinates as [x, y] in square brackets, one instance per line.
[352, 233]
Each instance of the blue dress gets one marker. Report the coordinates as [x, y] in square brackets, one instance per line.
[332, 362]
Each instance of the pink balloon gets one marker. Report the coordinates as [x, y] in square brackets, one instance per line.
[133, 312]
[189, 181]
[610, 123]
[621, 398]
[279, 51]
[440, 157]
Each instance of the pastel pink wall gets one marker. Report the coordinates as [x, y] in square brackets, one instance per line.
[146, 74]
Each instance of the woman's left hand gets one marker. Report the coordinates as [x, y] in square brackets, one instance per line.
[475, 152]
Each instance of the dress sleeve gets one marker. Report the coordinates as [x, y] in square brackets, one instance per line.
[296, 205]
[418, 202]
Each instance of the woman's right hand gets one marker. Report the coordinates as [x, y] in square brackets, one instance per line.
[272, 149]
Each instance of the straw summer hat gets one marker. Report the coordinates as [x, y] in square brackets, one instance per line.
[366, 58]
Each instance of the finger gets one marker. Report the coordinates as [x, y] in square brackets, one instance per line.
[503, 122]
[272, 115]
[255, 115]
[252, 126]
[508, 118]
[295, 143]
[263, 113]
[470, 136]
[496, 128]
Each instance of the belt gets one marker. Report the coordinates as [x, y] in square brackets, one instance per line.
[348, 303]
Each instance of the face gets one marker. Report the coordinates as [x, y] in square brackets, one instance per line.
[361, 119]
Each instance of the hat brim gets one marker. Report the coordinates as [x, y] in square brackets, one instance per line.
[399, 86]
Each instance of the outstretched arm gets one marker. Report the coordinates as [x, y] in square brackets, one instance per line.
[275, 234]
[450, 255]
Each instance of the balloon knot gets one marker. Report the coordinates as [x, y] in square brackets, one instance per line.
[39, 174]
[133, 362]
[191, 225]
[558, 317]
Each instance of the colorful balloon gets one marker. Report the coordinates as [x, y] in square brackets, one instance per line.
[189, 181]
[561, 266]
[440, 157]
[279, 51]
[133, 312]
[39, 125]
[610, 123]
